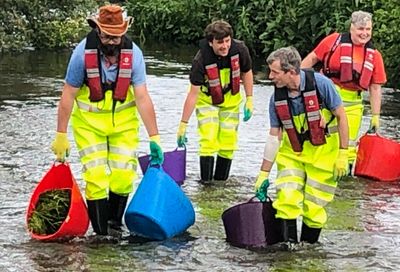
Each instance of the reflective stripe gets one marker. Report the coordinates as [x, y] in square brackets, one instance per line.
[310, 93]
[228, 125]
[288, 124]
[92, 72]
[121, 165]
[122, 151]
[290, 185]
[348, 104]
[205, 110]
[345, 59]
[313, 115]
[230, 114]
[91, 108]
[333, 129]
[281, 103]
[321, 187]
[316, 200]
[208, 120]
[94, 163]
[352, 143]
[291, 173]
[92, 149]
[125, 73]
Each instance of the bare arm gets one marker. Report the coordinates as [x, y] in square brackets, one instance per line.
[375, 99]
[343, 126]
[65, 107]
[310, 60]
[146, 109]
[247, 79]
[190, 103]
[266, 164]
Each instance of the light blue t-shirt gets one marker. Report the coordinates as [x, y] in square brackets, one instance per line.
[329, 96]
[76, 68]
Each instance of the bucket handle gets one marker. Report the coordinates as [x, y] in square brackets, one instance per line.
[255, 199]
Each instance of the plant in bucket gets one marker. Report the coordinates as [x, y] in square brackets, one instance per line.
[159, 209]
[174, 164]
[56, 208]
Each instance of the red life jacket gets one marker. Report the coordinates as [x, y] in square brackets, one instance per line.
[92, 63]
[315, 134]
[347, 73]
[212, 67]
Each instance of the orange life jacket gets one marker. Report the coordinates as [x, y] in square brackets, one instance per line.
[312, 107]
[347, 73]
[213, 65]
[93, 73]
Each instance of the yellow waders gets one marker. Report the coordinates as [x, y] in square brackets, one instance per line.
[218, 124]
[305, 183]
[107, 143]
[352, 101]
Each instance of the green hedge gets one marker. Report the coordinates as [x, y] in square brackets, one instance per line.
[263, 24]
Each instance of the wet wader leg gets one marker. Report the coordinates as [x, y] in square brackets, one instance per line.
[222, 168]
[117, 204]
[289, 230]
[206, 168]
[98, 214]
[309, 235]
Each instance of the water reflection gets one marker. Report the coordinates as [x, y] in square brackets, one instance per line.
[362, 231]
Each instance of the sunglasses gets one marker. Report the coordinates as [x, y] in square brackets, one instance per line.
[107, 38]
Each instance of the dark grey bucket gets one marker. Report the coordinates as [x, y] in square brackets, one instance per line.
[252, 224]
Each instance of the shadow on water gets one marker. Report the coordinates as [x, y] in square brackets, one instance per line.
[364, 219]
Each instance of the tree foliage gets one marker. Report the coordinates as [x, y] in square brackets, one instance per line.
[263, 24]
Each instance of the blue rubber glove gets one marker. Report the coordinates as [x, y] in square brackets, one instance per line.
[181, 139]
[248, 108]
[156, 153]
[261, 186]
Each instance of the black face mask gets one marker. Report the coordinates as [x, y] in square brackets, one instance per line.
[110, 50]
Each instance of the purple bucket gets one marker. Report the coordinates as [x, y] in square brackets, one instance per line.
[252, 224]
[174, 164]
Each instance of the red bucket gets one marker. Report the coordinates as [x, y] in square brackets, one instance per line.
[378, 158]
[77, 221]
[252, 224]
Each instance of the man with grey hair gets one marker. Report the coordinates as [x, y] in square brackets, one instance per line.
[303, 110]
[354, 65]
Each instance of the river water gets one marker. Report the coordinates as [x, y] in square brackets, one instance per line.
[362, 233]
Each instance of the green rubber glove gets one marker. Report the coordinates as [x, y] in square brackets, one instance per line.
[156, 153]
[341, 167]
[60, 146]
[248, 108]
[181, 139]
[261, 186]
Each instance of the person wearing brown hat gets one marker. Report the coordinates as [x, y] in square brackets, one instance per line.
[105, 87]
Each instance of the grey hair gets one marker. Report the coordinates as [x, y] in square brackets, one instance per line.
[289, 58]
[360, 18]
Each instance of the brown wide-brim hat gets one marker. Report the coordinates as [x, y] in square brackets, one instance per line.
[111, 20]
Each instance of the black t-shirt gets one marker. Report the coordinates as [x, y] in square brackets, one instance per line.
[198, 71]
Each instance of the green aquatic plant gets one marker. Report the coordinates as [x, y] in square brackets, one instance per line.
[50, 211]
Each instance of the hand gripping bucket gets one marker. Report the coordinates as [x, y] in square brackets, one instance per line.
[77, 221]
[378, 158]
[174, 164]
[252, 224]
[159, 208]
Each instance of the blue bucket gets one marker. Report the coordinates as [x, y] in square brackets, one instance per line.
[159, 208]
